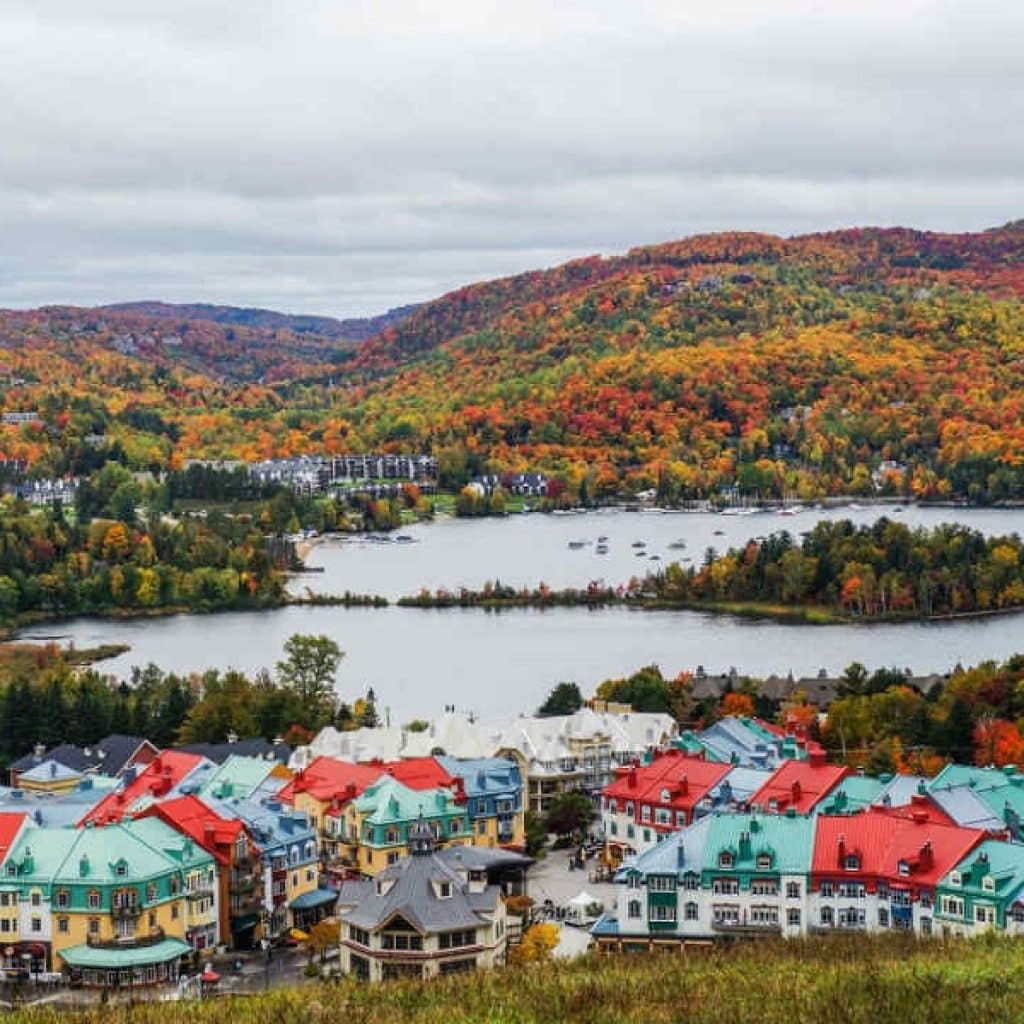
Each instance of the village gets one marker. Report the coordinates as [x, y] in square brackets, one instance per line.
[392, 852]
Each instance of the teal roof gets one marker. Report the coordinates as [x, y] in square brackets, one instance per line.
[854, 793]
[237, 777]
[116, 958]
[168, 841]
[789, 839]
[389, 801]
[976, 778]
[90, 856]
[1003, 861]
[680, 853]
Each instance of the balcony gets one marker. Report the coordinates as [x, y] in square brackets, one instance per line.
[126, 910]
[128, 942]
[747, 927]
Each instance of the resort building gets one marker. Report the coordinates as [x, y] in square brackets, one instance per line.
[984, 892]
[110, 757]
[108, 905]
[799, 785]
[493, 789]
[422, 916]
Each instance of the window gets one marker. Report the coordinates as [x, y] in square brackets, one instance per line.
[883, 917]
[663, 913]
[764, 916]
[827, 917]
[955, 878]
[985, 914]
[645, 812]
[680, 819]
[661, 883]
[764, 861]
[121, 870]
[152, 919]
[174, 909]
[793, 917]
[5, 925]
[852, 863]
[453, 826]
[93, 900]
[37, 899]
[725, 886]
[630, 832]
[358, 935]
[665, 796]
[827, 889]
[725, 859]
[792, 890]
[691, 912]
[761, 887]
[63, 925]
[925, 899]
[400, 941]
[310, 874]
[852, 890]
[63, 898]
[5, 899]
[94, 926]
[452, 940]
[629, 808]
[725, 914]
[445, 890]
[36, 924]
[612, 806]
[151, 892]
[988, 884]
[635, 910]
[691, 881]
[926, 926]
[952, 906]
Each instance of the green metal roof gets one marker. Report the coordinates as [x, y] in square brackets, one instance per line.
[1005, 865]
[159, 836]
[238, 776]
[115, 959]
[854, 793]
[790, 841]
[314, 898]
[389, 801]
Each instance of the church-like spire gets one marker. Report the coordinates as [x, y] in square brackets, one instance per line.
[421, 838]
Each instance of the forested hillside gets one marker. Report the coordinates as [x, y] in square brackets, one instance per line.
[850, 362]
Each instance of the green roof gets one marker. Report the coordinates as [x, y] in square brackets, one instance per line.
[854, 793]
[168, 841]
[789, 839]
[115, 958]
[1005, 865]
[389, 801]
[238, 776]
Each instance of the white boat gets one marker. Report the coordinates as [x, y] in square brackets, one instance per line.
[577, 544]
[732, 511]
[791, 510]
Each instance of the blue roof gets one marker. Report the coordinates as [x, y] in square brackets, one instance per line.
[58, 810]
[482, 776]
[605, 925]
[314, 898]
[966, 808]
[275, 826]
[681, 852]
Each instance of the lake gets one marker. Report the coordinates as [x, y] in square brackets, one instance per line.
[499, 664]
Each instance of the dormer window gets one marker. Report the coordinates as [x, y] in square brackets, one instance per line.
[665, 796]
[852, 862]
[764, 861]
[988, 884]
[445, 890]
[903, 868]
[121, 870]
[955, 878]
[12, 870]
[725, 859]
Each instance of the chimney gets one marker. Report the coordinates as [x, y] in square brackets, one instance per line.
[927, 859]
[795, 789]
[841, 850]
[684, 786]
[816, 757]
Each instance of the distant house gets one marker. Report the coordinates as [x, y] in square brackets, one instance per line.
[428, 914]
[110, 756]
[17, 418]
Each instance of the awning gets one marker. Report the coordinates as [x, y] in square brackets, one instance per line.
[314, 898]
[210, 976]
[114, 959]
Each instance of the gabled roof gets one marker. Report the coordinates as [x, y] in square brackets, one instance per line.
[417, 772]
[739, 785]
[966, 807]
[238, 776]
[881, 842]
[671, 779]
[406, 889]
[192, 817]
[155, 780]
[49, 770]
[109, 755]
[482, 776]
[10, 825]
[328, 778]
[854, 793]
[799, 785]
[273, 825]
[1003, 862]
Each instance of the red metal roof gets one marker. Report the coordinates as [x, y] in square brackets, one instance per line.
[10, 825]
[329, 778]
[189, 815]
[156, 779]
[925, 847]
[680, 777]
[799, 785]
[420, 773]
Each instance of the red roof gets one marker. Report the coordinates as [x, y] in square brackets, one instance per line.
[673, 780]
[189, 815]
[920, 804]
[799, 784]
[328, 778]
[156, 779]
[10, 826]
[419, 773]
[924, 847]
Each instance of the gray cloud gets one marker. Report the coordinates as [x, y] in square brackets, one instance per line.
[344, 156]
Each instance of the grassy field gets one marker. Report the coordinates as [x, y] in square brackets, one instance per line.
[847, 980]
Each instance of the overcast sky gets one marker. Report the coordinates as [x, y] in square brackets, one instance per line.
[343, 157]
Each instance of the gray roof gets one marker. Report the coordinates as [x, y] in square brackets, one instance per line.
[412, 897]
[966, 808]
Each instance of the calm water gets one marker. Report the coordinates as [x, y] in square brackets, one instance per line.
[500, 664]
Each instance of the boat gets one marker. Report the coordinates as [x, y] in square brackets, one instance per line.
[654, 558]
[577, 544]
[652, 511]
[640, 554]
[563, 512]
[678, 545]
[791, 510]
[602, 539]
[854, 507]
[733, 511]
[404, 538]
[719, 533]
[602, 549]
[639, 544]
